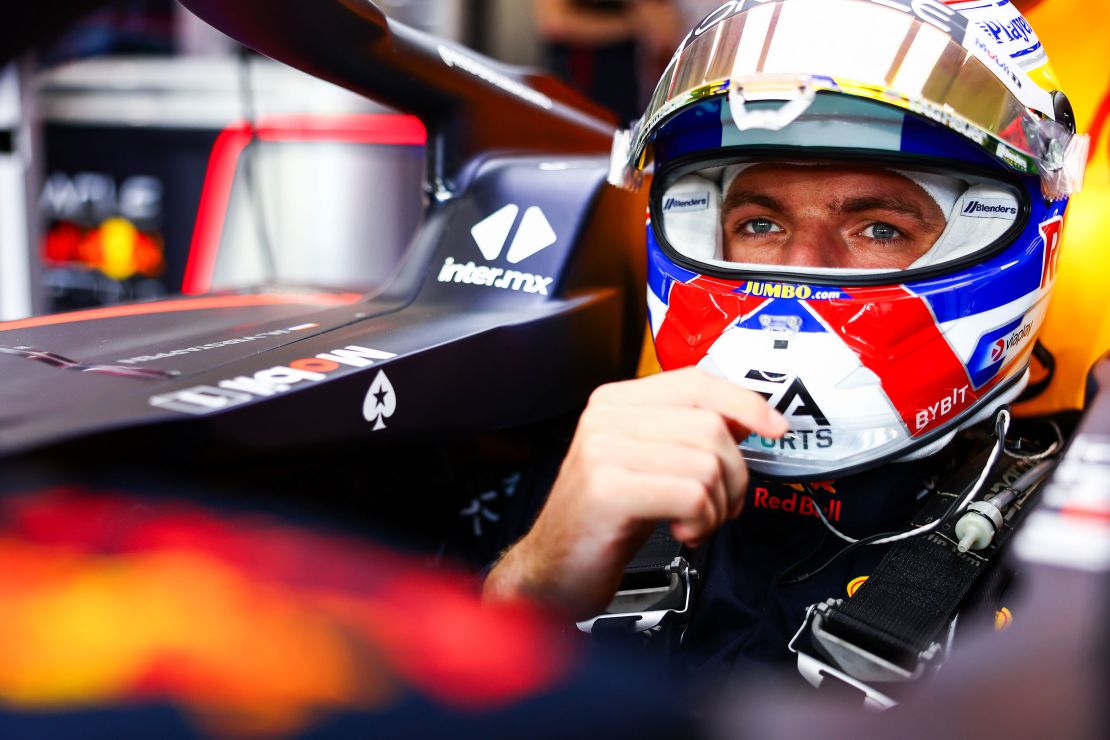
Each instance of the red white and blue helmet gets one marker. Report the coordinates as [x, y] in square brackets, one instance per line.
[868, 364]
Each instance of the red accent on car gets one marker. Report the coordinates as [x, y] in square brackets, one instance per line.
[213, 207]
[381, 129]
[373, 128]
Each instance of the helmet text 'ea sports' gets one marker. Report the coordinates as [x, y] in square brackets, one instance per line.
[856, 212]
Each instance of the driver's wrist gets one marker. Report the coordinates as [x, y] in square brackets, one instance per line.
[513, 577]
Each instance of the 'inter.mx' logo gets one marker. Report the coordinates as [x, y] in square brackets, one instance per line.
[491, 234]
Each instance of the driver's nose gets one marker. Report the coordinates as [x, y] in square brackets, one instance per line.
[815, 244]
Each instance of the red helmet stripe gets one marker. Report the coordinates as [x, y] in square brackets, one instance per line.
[896, 336]
[699, 311]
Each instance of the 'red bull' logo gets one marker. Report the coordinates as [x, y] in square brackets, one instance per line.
[795, 503]
[1050, 232]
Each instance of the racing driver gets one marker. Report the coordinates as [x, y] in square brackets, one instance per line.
[854, 225]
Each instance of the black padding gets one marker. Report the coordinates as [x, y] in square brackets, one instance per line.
[658, 552]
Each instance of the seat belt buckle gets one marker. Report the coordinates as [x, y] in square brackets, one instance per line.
[646, 599]
[827, 660]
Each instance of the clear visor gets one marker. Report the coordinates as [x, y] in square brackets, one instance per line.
[831, 218]
[936, 67]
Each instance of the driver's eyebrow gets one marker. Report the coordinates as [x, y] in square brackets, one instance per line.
[737, 198]
[891, 203]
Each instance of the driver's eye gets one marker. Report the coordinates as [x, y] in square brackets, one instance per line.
[881, 231]
[760, 226]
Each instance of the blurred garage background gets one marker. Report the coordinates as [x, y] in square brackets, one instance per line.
[125, 170]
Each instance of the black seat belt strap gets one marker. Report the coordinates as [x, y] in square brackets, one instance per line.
[905, 605]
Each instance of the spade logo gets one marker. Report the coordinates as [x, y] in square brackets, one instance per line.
[380, 402]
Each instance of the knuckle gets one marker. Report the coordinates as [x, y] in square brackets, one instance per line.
[598, 396]
[692, 380]
[604, 394]
[712, 428]
[590, 439]
[739, 495]
[709, 469]
[607, 473]
[685, 378]
[743, 477]
[733, 463]
[600, 481]
[597, 448]
[589, 417]
[595, 420]
[697, 502]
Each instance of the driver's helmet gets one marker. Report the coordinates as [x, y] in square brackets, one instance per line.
[856, 212]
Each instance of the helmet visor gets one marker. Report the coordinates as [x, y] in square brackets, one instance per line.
[928, 61]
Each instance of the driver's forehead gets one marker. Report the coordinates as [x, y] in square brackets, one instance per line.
[829, 182]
